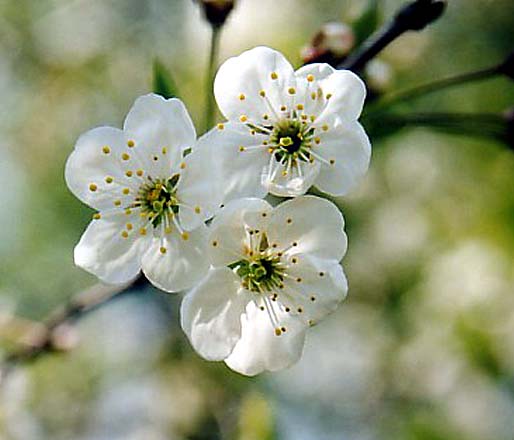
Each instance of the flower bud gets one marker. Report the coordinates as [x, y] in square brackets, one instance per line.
[379, 75]
[334, 40]
[217, 11]
[419, 14]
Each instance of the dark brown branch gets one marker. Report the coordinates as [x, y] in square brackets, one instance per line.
[414, 16]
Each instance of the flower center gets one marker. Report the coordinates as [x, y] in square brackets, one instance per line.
[262, 271]
[157, 199]
[291, 138]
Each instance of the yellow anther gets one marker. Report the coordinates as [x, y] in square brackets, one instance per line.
[298, 280]
[142, 231]
[304, 117]
[162, 250]
[129, 173]
[242, 97]
[324, 127]
[329, 95]
[117, 202]
[262, 93]
[294, 260]
[278, 332]
[252, 132]
[185, 235]
[182, 165]
[106, 149]
[124, 234]
[265, 116]
[289, 221]
[294, 243]
[130, 226]
[300, 107]
[313, 298]
[139, 172]
[283, 108]
[317, 140]
[299, 310]
[131, 143]
[155, 158]
[125, 156]
[214, 243]
[109, 179]
[241, 148]
[164, 150]
[310, 77]
[198, 210]
[291, 90]
[243, 118]
[321, 274]
[284, 173]
[93, 187]
[126, 191]
[143, 214]
[274, 75]
[221, 126]
[332, 161]
[168, 230]
[312, 118]
[97, 216]
[313, 95]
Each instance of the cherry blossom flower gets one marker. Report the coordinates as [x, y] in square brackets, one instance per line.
[275, 272]
[287, 130]
[152, 199]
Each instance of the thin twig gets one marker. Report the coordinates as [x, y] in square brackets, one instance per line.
[79, 305]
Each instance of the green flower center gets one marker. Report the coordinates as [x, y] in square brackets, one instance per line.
[157, 199]
[262, 271]
[291, 138]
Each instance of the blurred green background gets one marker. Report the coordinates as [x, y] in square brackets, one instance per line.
[423, 347]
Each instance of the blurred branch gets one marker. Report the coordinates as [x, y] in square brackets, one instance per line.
[495, 126]
[414, 16]
[506, 67]
[42, 341]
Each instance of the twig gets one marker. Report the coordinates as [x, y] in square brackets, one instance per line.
[78, 306]
[414, 16]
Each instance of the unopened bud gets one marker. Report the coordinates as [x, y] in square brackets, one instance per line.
[507, 67]
[217, 11]
[419, 14]
[334, 40]
[379, 75]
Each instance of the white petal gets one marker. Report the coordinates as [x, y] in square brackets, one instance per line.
[239, 172]
[347, 91]
[260, 349]
[308, 224]
[256, 70]
[181, 265]
[348, 146]
[228, 232]
[198, 189]
[161, 129]
[106, 253]
[290, 181]
[211, 314]
[95, 170]
[314, 288]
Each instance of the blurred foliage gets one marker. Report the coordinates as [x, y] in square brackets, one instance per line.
[422, 349]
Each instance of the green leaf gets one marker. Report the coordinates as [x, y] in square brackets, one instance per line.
[163, 83]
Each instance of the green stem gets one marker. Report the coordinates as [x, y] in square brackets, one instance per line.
[210, 107]
[425, 89]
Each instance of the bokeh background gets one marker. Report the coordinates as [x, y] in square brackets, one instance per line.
[423, 347]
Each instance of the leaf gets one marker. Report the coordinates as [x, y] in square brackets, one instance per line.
[162, 81]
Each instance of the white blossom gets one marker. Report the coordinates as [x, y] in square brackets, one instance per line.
[287, 130]
[152, 199]
[275, 272]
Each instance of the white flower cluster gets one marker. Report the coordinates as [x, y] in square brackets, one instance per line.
[190, 212]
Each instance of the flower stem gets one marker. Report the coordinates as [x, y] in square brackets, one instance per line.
[210, 106]
[425, 89]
